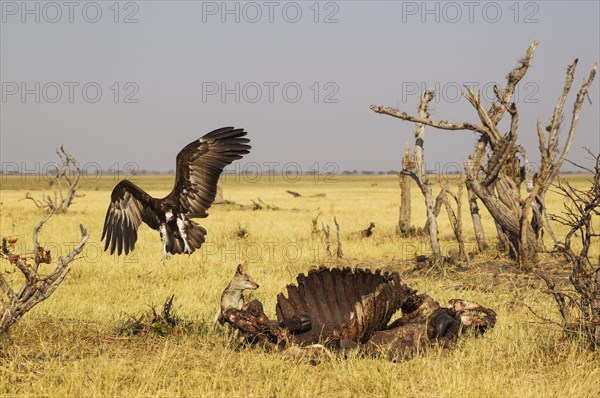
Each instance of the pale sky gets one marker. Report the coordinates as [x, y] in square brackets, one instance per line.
[137, 81]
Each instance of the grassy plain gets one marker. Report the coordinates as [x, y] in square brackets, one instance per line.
[68, 345]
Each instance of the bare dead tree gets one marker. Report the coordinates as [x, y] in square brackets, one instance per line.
[255, 205]
[497, 181]
[36, 287]
[64, 184]
[315, 224]
[580, 207]
[269, 206]
[340, 250]
[326, 231]
[261, 204]
[327, 234]
[455, 218]
[418, 173]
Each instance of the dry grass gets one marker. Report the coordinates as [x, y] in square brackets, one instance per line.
[68, 345]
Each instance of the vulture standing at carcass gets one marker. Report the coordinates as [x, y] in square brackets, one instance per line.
[199, 166]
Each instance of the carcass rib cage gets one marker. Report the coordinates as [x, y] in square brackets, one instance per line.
[343, 303]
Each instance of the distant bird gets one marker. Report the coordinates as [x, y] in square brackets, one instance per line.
[294, 194]
[199, 166]
[365, 233]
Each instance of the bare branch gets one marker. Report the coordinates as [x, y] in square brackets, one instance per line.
[546, 320]
[62, 200]
[585, 277]
[557, 164]
[558, 296]
[512, 79]
[36, 231]
[414, 177]
[36, 288]
[6, 288]
[493, 134]
[34, 200]
[557, 115]
[442, 125]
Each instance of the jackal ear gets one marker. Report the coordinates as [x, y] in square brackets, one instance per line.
[242, 268]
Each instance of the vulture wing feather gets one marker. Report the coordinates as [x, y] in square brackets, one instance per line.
[129, 207]
[200, 164]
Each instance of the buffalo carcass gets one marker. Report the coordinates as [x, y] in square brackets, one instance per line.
[352, 308]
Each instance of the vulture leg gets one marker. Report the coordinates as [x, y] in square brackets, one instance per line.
[182, 232]
[164, 238]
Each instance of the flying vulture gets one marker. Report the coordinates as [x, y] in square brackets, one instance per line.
[199, 166]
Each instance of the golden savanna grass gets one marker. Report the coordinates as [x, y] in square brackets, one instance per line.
[68, 345]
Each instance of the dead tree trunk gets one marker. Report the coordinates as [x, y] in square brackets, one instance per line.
[417, 173]
[437, 207]
[499, 186]
[476, 218]
[326, 232]
[460, 234]
[455, 218]
[404, 220]
[503, 244]
[36, 288]
[420, 175]
[340, 250]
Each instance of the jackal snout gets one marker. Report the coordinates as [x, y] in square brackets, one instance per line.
[242, 279]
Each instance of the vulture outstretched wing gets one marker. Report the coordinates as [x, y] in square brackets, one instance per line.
[129, 206]
[199, 166]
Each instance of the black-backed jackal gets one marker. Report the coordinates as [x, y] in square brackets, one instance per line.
[233, 295]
